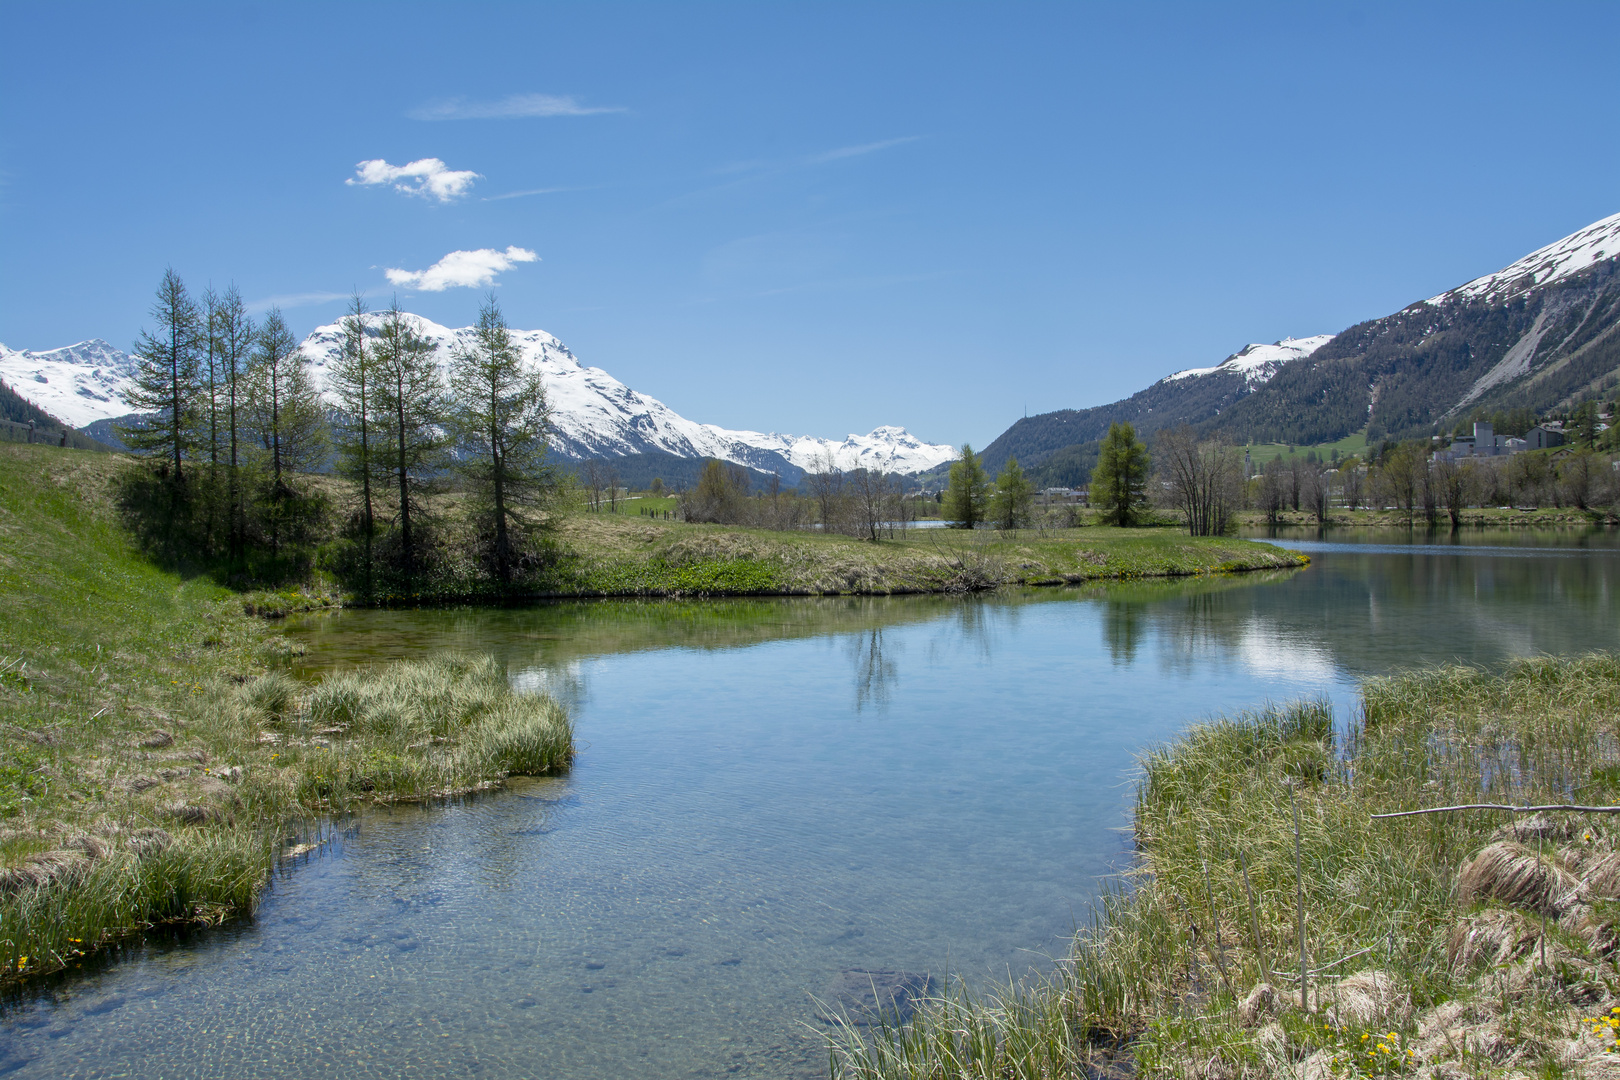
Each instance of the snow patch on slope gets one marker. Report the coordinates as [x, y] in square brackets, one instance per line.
[1560, 259]
[1258, 363]
[79, 384]
[596, 415]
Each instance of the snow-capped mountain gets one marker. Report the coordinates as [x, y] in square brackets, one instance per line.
[596, 415]
[1558, 260]
[79, 384]
[1258, 363]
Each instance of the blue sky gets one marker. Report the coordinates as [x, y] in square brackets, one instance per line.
[805, 218]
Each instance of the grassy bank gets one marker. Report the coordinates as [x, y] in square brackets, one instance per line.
[1465, 944]
[152, 751]
[618, 556]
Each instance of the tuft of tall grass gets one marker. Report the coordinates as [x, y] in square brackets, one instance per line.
[408, 730]
[134, 880]
[1173, 968]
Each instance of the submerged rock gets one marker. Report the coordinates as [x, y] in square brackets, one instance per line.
[862, 997]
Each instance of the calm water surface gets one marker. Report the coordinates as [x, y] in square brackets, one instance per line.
[769, 794]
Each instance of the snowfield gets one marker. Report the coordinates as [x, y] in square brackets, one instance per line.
[1258, 363]
[80, 384]
[595, 415]
[1560, 259]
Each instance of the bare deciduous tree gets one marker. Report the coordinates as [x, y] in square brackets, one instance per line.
[1205, 480]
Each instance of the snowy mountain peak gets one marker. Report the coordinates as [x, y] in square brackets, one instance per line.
[79, 384]
[1560, 259]
[1257, 363]
[596, 415]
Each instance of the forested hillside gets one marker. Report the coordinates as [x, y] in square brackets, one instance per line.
[1034, 439]
[1432, 365]
[1538, 336]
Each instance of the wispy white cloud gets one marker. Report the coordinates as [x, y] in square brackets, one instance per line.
[293, 300]
[516, 107]
[428, 177]
[531, 191]
[857, 151]
[749, 172]
[462, 269]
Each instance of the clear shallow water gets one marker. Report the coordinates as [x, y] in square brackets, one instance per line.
[771, 793]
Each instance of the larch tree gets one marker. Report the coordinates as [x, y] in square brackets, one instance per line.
[410, 409]
[1013, 497]
[287, 417]
[967, 492]
[352, 380]
[503, 424]
[1119, 482]
[165, 387]
[233, 334]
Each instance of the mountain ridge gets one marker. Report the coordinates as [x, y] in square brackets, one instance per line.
[595, 415]
[1540, 333]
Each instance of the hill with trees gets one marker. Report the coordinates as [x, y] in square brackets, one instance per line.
[1541, 335]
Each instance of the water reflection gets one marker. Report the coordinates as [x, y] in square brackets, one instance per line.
[875, 670]
[737, 834]
[1123, 628]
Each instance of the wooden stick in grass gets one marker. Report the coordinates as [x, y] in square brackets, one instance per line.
[1299, 885]
[1254, 920]
[1555, 807]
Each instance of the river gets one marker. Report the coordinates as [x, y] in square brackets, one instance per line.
[772, 794]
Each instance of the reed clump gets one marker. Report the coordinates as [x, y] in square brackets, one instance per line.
[193, 825]
[1447, 945]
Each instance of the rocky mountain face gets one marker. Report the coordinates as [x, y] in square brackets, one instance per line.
[596, 416]
[1194, 396]
[1542, 333]
[79, 384]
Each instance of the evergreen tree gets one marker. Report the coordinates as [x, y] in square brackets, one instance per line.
[289, 421]
[1119, 482]
[166, 378]
[502, 421]
[1009, 506]
[967, 493]
[352, 379]
[410, 406]
[1583, 426]
[233, 335]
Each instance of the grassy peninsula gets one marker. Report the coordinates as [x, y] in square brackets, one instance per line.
[155, 760]
[619, 556]
[1463, 944]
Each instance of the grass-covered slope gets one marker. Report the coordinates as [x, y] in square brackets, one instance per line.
[618, 556]
[1454, 945]
[150, 752]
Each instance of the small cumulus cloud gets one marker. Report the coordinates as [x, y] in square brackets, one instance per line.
[516, 107]
[462, 269]
[427, 177]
